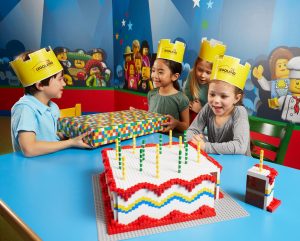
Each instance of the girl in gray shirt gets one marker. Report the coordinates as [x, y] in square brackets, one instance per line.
[225, 118]
[230, 138]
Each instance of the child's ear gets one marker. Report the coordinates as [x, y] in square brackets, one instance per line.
[39, 85]
[238, 97]
[175, 76]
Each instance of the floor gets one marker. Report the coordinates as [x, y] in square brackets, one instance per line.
[5, 138]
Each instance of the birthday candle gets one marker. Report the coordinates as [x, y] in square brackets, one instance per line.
[184, 137]
[186, 149]
[120, 156]
[141, 159]
[261, 160]
[180, 142]
[179, 161]
[117, 149]
[170, 138]
[143, 149]
[160, 144]
[123, 168]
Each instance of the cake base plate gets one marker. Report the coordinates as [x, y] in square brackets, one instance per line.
[226, 209]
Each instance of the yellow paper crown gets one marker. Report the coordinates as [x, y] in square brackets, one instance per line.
[170, 51]
[211, 49]
[41, 65]
[229, 69]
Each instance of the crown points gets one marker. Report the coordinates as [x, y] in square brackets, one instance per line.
[211, 49]
[171, 51]
[229, 69]
[40, 65]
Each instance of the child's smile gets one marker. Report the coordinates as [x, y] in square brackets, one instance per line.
[221, 98]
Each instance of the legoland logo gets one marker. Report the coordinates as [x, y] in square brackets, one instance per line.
[170, 51]
[226, 69]
[43, 65]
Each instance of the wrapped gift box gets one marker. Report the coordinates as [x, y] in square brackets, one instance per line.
[105, 127]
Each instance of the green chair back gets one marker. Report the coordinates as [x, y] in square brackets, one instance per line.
[272, 129]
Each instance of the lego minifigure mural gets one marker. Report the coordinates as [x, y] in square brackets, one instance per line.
[81, 68]
[84, 68]
[136, 67]
[277, 79]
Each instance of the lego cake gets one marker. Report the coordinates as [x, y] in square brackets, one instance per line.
[260, 187]
[106, 127]
[156, 185]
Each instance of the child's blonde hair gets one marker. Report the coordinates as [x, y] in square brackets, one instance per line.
[194, 85]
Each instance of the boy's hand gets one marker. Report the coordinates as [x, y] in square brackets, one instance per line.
[171, 124]
[61, 136]
[78, 141]
[199, 138]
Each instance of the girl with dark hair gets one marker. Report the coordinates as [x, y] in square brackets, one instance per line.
[166, 97]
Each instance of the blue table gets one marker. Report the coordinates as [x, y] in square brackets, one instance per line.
[53, 195]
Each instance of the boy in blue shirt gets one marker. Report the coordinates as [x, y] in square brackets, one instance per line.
[34, 117]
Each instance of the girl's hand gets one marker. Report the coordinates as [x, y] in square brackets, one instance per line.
[199, 138]
[132, 108]
[78, 141]
[196, 106]
[171, 124]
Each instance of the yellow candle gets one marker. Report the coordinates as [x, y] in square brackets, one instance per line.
[117, 149]
[180, 142]
[123, 168]
[261, 160]
[157, 165]
[170, 140]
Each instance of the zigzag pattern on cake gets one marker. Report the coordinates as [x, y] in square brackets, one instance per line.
[155, 204]
[144, 221]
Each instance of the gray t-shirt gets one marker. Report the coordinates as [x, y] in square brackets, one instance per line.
[232, 138]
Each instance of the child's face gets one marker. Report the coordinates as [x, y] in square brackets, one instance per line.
[222, 98]
[161, 74]
[55, 87]
[203, 71]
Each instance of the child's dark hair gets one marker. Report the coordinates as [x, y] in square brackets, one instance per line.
[31, 90]
[175, 67]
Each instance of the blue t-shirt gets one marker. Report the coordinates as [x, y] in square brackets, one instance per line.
[29, 114]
